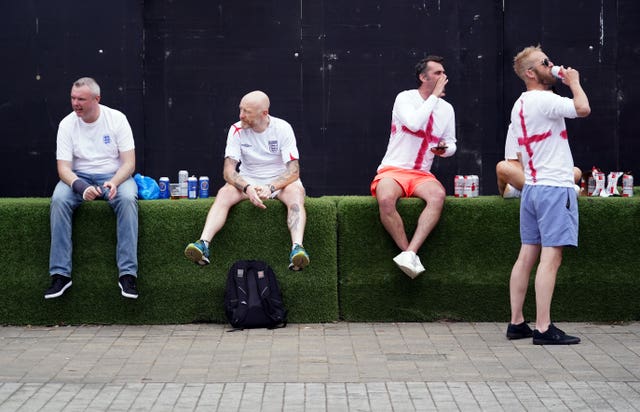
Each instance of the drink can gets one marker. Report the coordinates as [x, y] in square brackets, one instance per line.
[557, 72]
[192, 187]
[627, 185]
[475, 185]
[591, 187]
[466, 190]
[203, 187]
[183, 175]
[458, 185]
[163, 183]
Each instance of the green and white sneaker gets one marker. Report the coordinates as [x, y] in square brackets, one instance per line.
[197, 252]
[299, 258]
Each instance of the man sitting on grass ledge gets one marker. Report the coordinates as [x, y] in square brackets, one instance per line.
[265, 147]
[422, 126]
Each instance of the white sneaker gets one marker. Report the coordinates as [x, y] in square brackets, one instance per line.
[418, 265]
[511, 192]
[406, 263]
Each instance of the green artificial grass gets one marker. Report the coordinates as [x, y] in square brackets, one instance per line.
[469, 256]
[172, 289]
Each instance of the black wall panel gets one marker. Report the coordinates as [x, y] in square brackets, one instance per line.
[332, 68]
[47, 45]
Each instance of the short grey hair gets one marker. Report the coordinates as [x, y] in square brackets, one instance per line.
[90, 83]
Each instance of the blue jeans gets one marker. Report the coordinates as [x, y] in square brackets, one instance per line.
[125, 205]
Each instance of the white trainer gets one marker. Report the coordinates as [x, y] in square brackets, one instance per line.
[406, 263]
[418, 265]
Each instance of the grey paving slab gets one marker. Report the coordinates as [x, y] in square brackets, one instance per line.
[316, 367]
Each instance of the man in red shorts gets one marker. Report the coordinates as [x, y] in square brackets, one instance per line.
[422, 126]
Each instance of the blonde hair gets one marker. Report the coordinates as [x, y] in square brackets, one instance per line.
[522, 61]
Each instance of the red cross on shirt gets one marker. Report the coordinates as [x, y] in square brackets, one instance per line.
[526, 141]
[427, 137]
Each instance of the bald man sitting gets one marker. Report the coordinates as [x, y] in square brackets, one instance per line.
[265, 147]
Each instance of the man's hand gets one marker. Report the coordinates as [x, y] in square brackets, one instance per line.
[438, 90]
[254, 197]
[113, 189]
[439, 149]
[92, 193]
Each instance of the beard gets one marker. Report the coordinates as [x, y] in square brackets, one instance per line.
[546, 79]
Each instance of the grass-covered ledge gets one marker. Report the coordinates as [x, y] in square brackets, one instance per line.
[172, 289]
[469, 257]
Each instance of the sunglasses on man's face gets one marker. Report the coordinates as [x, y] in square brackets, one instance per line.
[544, 62]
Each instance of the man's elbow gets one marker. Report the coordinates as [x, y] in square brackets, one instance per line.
[583, 111]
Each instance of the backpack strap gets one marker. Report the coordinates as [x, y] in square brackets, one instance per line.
[264, 277]
[239, 273]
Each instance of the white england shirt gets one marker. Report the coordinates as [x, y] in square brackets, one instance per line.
[417, 125]
[94, 147]
[538, 125]
[263, 155]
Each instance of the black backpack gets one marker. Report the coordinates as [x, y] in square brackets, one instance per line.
[252, 297]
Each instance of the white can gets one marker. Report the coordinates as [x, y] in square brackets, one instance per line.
[183, 181]
[467, 192]
[475, 185]
[458, 185]
[557, 72]
[627, 185]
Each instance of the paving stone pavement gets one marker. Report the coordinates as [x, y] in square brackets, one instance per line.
[317, 367]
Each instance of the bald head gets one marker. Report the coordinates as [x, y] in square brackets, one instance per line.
[257, 100]
[254, 110]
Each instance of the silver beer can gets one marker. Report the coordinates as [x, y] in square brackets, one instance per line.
[183, 177]
[458, 185]
[627, 185]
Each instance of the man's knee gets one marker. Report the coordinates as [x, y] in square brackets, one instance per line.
[386, 202]
[501, 168]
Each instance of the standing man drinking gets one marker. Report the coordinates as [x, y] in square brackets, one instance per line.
[548, 206]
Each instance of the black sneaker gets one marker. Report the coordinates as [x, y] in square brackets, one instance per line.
[553, 336]
[519, 331]
[128, 286]
[59, 284]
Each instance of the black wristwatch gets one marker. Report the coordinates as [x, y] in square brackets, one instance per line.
[272, 188]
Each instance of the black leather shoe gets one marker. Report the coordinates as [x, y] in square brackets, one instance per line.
[553, 336]
[519, 331]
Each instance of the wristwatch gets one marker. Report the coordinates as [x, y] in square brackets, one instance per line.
[272, 188]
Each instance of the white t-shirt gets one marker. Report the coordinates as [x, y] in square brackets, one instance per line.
[94, 147]
[263, 155]
[417, 125]
[537, 120]
[511, 148]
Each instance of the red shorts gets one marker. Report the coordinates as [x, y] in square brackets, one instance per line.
[408, 179]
